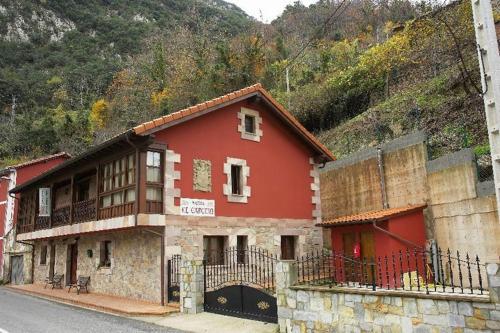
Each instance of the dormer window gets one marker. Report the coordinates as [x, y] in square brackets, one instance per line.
[250, 124]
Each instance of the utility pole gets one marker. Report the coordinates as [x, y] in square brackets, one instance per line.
[288, 87]
[489, 63]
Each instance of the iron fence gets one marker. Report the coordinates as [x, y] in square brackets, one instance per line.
[410, 269]
[251, 266]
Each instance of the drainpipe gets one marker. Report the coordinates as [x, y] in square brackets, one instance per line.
[162, 264]
[380, 160]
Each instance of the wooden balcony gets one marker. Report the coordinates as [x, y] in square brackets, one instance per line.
[112, 184]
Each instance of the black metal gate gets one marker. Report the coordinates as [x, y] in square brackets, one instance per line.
[240, 282]
[173, 286]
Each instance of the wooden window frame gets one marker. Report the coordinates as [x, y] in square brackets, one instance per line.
[123, 178]
[157, 185]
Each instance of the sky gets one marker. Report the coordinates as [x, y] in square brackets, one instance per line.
[270, 9]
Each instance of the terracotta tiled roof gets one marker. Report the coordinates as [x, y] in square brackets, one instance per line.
[368, 217]
[156, 124]
[39, 160]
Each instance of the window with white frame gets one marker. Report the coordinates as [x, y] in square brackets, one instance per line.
[250, 124]
[44, 201]
[236, 188]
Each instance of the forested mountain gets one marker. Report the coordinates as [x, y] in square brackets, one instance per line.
[57, 57]
[73, 73]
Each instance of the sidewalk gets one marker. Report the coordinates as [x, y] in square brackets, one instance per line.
[211, 323]
[100, 302]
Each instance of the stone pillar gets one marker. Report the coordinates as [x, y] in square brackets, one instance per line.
[286, 276]
[493, 272]
[191, 286]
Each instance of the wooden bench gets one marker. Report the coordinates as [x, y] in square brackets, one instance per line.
[82, 283]
[56, 281]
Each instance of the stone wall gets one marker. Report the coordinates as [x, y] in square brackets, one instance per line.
[135, 270]
[322, 310]
[191, 286]
[185, 234]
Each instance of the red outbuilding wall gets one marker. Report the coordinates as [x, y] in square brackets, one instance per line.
[279, 178]
[410, 227]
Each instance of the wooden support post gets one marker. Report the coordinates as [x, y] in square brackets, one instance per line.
[97, 190]
[72, 199]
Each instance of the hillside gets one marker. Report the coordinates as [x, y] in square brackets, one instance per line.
[361, 72]
[65, 53]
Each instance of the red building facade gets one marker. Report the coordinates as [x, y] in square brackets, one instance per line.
[10, 177]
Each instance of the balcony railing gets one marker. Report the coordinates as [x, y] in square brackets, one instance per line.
[117, 210]
[60, 216]
[42, 222]
[84, 211]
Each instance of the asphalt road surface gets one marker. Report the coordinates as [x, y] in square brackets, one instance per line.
[26, 314]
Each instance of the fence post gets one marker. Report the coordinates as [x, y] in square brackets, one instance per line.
[493, 272]
[286, 276]
[191, 286]
[374, 278]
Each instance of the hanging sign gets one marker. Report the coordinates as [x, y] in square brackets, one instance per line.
[197, 207]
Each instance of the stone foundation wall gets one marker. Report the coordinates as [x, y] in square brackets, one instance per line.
[135, 270]
[185, 234]
[322, 310]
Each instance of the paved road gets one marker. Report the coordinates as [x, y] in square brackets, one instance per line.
[26, 314]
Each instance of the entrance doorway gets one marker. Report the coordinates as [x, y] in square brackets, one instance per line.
[72, 264]
[17, 269]
[366, 245]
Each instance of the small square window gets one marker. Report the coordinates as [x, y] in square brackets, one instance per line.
[287, 247]
[105, 254]
[43, 255]
[249, 124]
[236, 180]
